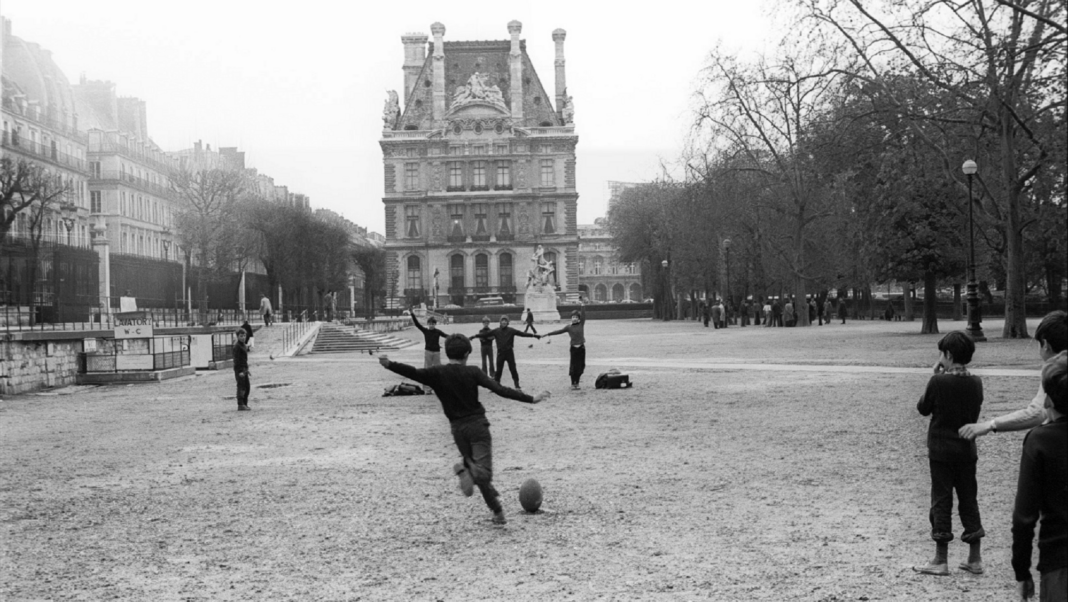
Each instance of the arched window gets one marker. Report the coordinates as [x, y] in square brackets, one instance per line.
[415, 272]
[600, 293]
[505, 275]
[456, 271]
[635, 292]
[481, 270]
[618, 293]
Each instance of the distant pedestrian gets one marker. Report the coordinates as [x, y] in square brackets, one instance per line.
[842, 309]
[811, 311]
[747, 310]
[827, 310]
[767, 313]
[717, 315]
[530, 322]
[241, 371]
[952, 399]
[265, 309]
[776, 314]
[788, 313]
[706, 313]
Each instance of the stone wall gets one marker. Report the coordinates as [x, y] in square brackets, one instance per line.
[31, 365]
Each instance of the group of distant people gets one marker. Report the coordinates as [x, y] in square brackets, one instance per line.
[771, 313]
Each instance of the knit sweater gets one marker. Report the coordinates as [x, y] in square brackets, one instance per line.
[1042, 492]
[456, 386]
[951, 400]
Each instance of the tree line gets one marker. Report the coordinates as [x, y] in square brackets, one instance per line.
[834, 161]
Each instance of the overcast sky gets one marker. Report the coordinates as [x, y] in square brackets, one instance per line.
[300, 86]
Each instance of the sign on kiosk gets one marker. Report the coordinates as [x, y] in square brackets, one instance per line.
[133, 325]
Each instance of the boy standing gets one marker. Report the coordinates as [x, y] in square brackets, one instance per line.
[241, 373]
[576, 330]
[530, 322]
[1041, 492]
[487, 346]
[457, 385]
[432, 351]
[505, 336]
[952, 399]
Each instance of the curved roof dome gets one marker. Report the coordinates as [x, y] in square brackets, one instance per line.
[32, 69]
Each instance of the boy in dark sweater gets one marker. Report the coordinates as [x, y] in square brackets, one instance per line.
[1043, 492]
[505, 336]
[432, 351]
[487, 347]
[953, 398]
[457, 385]
[241, 373]
[576, 330]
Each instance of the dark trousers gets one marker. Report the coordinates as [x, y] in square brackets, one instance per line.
[530, 328]
[487, 360]
[945, 478]
[503, 356]
[243, 387]
[706, 320]
[472, 437]
[578, 363]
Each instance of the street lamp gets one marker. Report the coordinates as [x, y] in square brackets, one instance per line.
[727, 250]
[667, 277]
[974, 330]
[69, 213]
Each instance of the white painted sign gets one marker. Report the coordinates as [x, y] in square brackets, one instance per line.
[133, 325]
[133, 362]
[89, 345]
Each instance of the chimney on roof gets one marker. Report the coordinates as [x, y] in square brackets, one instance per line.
[414, 57]
[439, 72]
[515, 62]
[561, 79]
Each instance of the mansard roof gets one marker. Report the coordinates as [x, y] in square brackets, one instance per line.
[491, 60]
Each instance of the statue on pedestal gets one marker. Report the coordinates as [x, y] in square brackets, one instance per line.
[540, 296]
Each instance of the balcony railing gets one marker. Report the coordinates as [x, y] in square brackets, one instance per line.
[40, 150]
[132, 180]
[45, 120]
[142, 157]
[73, 239]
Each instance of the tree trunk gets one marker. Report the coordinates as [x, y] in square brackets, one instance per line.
[1015, 285]
[930, 303]
[958, 314]
[1053, 287]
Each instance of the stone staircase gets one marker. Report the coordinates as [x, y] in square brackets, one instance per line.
[333, 338]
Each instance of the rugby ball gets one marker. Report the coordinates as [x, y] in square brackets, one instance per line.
[530, 495]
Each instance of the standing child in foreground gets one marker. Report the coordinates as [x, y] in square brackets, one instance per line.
[952, 399]
[576, 330]
[241, 373]
[457, 385]
[1043, 492]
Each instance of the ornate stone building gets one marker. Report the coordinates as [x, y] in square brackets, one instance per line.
[602, 277]
[479, 169]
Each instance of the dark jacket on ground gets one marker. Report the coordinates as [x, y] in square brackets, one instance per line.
[430, 334]
[951, 400]
[1042, 491]
[457, 386]
[505, 337]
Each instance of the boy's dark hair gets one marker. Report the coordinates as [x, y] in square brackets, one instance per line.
[432, 320]
[240, 331]
[457, 346]
[960, 346]
[1054, 331]
[1055, 381]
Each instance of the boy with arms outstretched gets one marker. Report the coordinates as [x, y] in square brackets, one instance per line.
[952, 399]
[487, 347]
[456, 385]
[1042, 491]
[432, 351]
[504, 336]
[576, 330]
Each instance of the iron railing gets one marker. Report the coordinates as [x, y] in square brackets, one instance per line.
[156, 353]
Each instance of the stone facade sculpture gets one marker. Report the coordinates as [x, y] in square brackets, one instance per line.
[569, 110]
[392, 109]
[478, 90]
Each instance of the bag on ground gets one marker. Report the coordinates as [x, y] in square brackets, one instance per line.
[613, 379]
[403, 389]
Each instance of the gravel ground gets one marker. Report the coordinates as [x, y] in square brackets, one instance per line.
[698, 484]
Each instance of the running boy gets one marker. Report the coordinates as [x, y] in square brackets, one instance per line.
[241, 373]
[432, 351]
[578, 344]
[457, 385]
[487, 347]
[505, 336]
[1041, 492]
[952, 399]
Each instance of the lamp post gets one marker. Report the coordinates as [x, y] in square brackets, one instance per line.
[974, 329]
[727, 250]
[667, 287]
[69, 213]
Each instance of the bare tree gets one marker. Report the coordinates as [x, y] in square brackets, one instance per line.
[26, 187]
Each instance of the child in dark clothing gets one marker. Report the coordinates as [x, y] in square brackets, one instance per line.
[530, 323]
[505, 337]
[1043, 492]
[241, 373]
[576, 330]
[432, 351]
[487, 347]
[953, 398]
[457, 385]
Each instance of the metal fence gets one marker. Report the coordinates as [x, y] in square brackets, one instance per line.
[157, 353]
